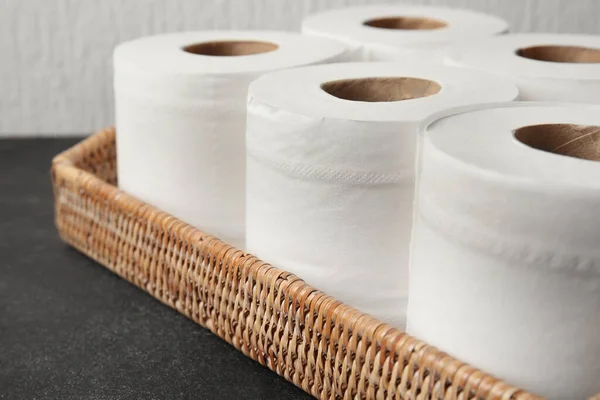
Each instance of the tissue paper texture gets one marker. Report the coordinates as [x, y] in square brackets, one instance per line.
[181, 118]
[330, 180]
[505, 264]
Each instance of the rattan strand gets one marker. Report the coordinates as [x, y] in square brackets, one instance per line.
[324, 347]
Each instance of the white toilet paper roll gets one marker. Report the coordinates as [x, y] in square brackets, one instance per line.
[555, 67]
[505, 264]
[331, 152]
[387, 32]
[181, 118]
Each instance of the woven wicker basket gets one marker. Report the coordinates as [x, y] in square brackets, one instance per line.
[328, 349]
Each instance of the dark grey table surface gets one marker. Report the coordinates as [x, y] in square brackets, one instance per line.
[70, 329]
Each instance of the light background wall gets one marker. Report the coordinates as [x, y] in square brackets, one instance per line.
[55, 65]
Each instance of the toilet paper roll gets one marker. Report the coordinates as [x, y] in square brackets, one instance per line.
[554, 67]
[505, 264]
[330, 158]
[181, 118]
[389, 32]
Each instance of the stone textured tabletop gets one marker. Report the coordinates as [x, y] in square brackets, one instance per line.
[70, 329]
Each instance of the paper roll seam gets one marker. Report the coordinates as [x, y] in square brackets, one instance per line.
[537, 255]
[312, 173]
[491, 245]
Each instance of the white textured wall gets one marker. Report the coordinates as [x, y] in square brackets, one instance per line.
[55, 69]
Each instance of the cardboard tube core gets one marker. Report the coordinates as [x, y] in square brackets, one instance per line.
[229, 48]
[579, 141]
[406, 23]
[562, 54]
[381, 89]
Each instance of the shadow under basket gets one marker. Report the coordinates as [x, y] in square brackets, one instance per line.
[328, 349]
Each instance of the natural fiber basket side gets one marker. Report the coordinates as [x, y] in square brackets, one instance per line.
[330, 350]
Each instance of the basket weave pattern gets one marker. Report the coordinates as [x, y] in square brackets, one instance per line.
[328, 349]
